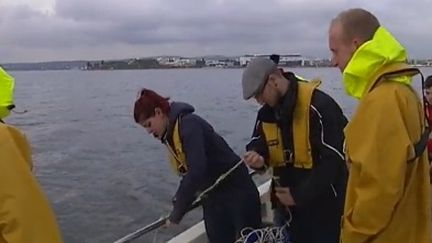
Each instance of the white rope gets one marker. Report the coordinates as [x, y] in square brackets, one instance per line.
[273, 234]
[155, 235]
[264, 235]
[218, 181]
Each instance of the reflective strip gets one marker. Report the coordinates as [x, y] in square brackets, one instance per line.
[322, 135]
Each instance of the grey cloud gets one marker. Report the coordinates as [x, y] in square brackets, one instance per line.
[198, 27]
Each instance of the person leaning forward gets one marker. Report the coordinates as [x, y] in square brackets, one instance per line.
[199, 155]
[299, 133]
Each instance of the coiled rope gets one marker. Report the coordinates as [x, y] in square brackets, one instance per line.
[273, 234]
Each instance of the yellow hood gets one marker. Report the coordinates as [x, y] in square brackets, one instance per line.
[6, 93]
[369, 58]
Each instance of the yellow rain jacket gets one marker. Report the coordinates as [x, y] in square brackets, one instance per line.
[25, 213]
[387, 198]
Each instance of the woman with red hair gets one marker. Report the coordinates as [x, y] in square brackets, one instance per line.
[199, 155]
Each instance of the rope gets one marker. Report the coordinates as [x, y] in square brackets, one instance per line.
[217, 182]
[138, 233]
[155, 225]
[264, 235]
[273, 234]
[155, 235]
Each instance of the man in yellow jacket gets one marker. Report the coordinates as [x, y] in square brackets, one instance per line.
[387, 197]
[25, 213]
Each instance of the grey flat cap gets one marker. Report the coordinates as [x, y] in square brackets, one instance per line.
[255, 75]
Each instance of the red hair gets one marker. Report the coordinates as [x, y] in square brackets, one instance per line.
[146, 104]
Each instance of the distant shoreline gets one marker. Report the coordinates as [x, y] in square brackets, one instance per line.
[219, 62]
[172, 68]
[142, 69]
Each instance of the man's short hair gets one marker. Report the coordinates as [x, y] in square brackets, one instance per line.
[357, 23]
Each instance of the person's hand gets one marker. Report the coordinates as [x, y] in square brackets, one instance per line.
[284, 196]
[168, 223]
[253, 159]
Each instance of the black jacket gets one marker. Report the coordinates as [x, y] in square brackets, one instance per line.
[208, 156]
[320, 190]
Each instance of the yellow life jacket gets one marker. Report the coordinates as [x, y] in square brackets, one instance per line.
[176, 154]
[302, 148]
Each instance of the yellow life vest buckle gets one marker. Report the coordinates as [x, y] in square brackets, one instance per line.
[288, 156]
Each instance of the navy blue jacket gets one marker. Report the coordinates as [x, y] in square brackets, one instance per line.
[207, 157]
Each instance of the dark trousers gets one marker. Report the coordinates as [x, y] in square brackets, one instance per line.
[280, 220]
[226, 215]
[310, 227]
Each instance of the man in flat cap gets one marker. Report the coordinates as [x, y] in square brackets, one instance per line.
[299, 134]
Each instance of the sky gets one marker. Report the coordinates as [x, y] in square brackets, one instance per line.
[53, 30]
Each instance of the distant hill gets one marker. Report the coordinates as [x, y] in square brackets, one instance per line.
[74, 65]
[59, 65]
[154, 62]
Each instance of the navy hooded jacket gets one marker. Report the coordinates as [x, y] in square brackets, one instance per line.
[207, 157]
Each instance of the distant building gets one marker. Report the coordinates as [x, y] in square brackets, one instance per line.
[176, 61]
[292, 60]
[211, 63]
[284, 60]
[244, 60]
[222, 63]
[187, 62]
[168, 61]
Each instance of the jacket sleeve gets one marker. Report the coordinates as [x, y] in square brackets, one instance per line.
[326, 137]
[258, 144]
[192, 136]
[378, 156]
